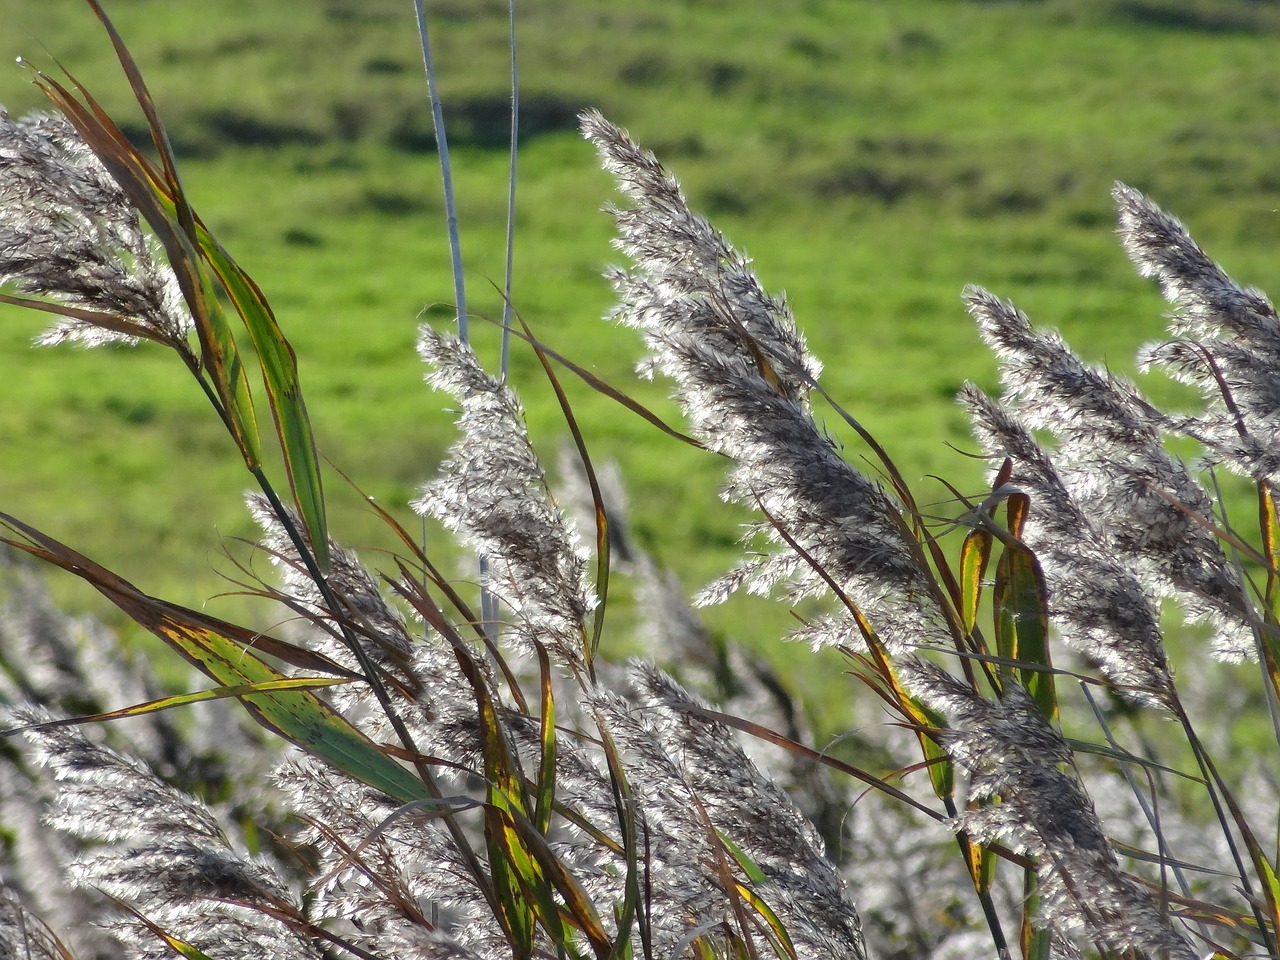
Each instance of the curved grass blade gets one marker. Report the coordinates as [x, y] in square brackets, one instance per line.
[526, 873]
[728, 884]
[515, 910]
[191, 247]
[180, 947]
[777, 935]
[942, 771]
[541, 875]
[974, 556]
[1270, 527]
[982, 863]
[220, 357]
[545, 795]
[516, 880]
[280, 375]
[597, 499]
[118, 323]
[808, 753]
[581, 914]
[1022, 613]
[515, 875]
[158, 135]
[223, 655]
[612, 392]
[152, 194]
[779, 938]
[183, 699]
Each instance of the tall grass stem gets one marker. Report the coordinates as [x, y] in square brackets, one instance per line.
[507, 284]
[446, 170]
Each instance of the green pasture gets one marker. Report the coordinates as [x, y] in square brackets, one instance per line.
[874, 156]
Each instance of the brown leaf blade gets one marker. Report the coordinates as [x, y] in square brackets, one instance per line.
[298, 716]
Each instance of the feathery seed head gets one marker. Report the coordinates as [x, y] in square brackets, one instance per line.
[160, 847]
[1027, 801]
[492, 493]
[1210, 304]
[69, 234]
[742, 374]
[749, 808]
[1110, 461]
[1095, 600]
[1226, 339]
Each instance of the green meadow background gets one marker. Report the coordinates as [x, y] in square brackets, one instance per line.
[873, 156]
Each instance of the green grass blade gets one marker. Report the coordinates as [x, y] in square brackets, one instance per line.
[1022, 613]
[1269, 879]
[221, 359]
[183, 699]
[778, 939]
[974, 556]
[515, 912]
[546, 786]
[520, 891]
[1270, 637]
[942, 772]
[298, 716]
[1022, 628]
[1035, 941]
[154, 198]
[192, 251]
[982, 865]
[580, 913]
[515, 875]
[280, 375]
[749, 866]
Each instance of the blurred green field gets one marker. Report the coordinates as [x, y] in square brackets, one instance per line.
[874, 156]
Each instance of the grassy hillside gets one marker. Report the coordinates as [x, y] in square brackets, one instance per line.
[873, 156]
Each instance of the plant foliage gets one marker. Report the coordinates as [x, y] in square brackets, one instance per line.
[426, 779]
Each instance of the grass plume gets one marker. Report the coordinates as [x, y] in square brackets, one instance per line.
[420, 784]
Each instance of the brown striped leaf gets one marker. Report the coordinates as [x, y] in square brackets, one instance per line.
[298, 716]
[158, 198]
[192, 252]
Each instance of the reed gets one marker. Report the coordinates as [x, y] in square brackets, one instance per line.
[425, 778]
